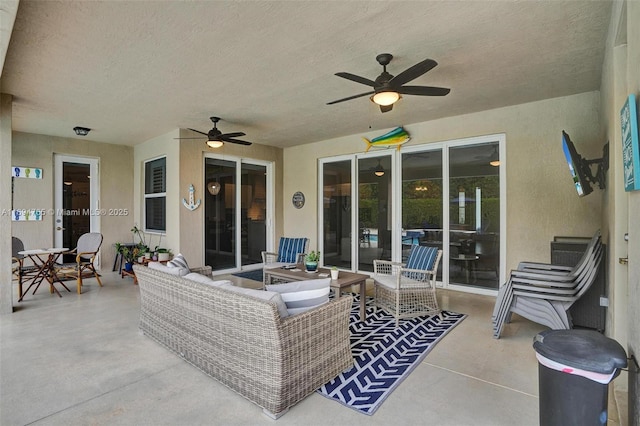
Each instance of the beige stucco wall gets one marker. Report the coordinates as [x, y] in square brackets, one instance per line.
[192, 152]
[541, 201]
[161, 146]
[116, 189]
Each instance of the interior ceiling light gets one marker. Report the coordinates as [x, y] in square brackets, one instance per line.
[385, 98]
[213, 187]
[81, 131]
[215, 143]
[379, 171]
[495, 158]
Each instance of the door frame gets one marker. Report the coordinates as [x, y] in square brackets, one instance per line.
[94, 202]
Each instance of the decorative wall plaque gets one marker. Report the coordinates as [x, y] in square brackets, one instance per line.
[298, 200]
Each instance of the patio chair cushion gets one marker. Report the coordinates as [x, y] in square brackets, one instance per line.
[301, 296]
[422, 257]
[289, 248]
[178, 261]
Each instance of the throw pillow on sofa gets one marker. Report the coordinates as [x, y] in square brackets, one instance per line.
[300, 296]
[164, 268]
[178, 261]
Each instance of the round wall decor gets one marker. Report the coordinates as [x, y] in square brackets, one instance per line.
[298, 200]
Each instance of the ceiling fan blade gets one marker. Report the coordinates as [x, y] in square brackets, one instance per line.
[197, 131]
[350, 97]
[386, 108]
[238, 141]
[232, 135]
[423, 90]
[201, 138]
[412, 73]
[356, 78]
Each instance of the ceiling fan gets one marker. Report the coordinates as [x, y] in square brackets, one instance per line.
[387, 88]
[215, 138]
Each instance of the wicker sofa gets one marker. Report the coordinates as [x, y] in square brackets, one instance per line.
[272, 361]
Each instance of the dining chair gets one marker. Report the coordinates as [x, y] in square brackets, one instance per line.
[86, 251]
[408, 290]
[19, 269]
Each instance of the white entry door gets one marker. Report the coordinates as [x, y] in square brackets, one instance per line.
[77, 205]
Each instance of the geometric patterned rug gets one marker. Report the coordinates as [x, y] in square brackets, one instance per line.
[385, 355]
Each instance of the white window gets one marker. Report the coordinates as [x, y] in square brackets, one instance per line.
[155, 195]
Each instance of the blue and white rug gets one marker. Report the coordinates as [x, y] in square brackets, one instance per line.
[384, 355]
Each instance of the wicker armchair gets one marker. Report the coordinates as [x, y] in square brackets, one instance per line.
[86, 252]
[290, 250]
[407, 292]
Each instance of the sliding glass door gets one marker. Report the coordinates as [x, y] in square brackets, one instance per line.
[235, 214]
[447, 195]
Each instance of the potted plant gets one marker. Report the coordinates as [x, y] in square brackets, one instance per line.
[311, 260]
[163, 254]
[334, 272]
[129, 255]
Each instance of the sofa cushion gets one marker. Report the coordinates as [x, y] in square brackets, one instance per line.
[164, 268]
[300, 296]
[178, 261]
[269, 296]
[194, 276]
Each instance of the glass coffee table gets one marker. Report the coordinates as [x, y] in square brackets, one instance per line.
[345, 279]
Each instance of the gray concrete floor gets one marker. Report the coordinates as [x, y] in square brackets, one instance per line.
[80, 360]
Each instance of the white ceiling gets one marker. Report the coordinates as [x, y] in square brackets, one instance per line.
[134, 70]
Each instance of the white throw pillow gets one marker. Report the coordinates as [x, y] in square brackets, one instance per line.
[300, 296]
[178, 261]
[164, 268]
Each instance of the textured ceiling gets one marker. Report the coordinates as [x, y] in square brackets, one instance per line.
[134, 70]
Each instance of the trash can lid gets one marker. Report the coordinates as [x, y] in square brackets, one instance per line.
[584, 349]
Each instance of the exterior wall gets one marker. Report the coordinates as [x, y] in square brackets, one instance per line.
[116, 189]
[541, 201]
[6, 285]
[192, 153]
[164, 145]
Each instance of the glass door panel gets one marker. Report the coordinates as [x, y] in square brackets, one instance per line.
[474, 215]
[220, 213]
[253, 195]
[422, 189]
[374, 210]
[336, 214]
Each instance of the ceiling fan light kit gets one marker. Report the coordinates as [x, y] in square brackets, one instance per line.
[388, 88]
[215, 138]
[385, 98]
[214, 143]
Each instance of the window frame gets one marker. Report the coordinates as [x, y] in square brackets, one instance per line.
[151, 195]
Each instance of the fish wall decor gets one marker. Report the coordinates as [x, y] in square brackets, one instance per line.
[397, 136]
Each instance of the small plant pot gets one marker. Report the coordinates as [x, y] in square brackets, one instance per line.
[334, 274]
[141, 259]
[311, 266]
[147, 255]
[163, 257]
[128, 266]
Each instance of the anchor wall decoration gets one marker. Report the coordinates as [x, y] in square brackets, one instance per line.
[191, 205]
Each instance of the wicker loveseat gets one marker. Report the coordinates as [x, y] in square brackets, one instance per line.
[272, 361]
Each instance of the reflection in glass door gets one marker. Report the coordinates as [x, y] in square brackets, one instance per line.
[422, 195]
[227, 245]
[336, 214]
[474, 215]
[375, 207]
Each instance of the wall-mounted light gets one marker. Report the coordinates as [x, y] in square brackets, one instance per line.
[495, 158]
[81, 131]
[379, 170]
[213, 187]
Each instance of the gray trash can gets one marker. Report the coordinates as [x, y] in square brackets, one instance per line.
[574, 371]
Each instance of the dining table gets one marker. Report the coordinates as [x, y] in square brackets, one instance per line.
[45, 261]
